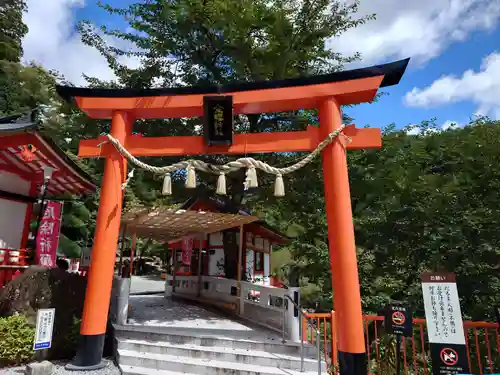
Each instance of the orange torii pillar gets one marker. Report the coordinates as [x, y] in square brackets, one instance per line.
[102, 261]
[325, 93]
[345, 281]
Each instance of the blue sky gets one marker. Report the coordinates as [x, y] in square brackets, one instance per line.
[455, 60]
[454, 46]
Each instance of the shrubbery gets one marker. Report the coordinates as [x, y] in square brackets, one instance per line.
[42, 288]
[16, 338]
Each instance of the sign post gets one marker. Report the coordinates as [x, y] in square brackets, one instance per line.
[44, 328]
[398, 321]
[444, 324]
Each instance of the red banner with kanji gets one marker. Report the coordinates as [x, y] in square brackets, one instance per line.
[47, 238]
[187, 250]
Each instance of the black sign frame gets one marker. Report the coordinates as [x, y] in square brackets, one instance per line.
[497, 314]
[399, 319]
[449, 359]
[218, 120]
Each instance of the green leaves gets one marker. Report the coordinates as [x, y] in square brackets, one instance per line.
[16, 336]
[421, 203]
[12, 30]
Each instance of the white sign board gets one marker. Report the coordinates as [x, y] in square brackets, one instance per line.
[44, 327]
[442, 309]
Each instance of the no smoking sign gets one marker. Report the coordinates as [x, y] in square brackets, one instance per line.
[398, 319]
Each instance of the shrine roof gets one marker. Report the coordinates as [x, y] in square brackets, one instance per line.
[168, 224]
[348, 87]
[25, 152]
[208, 201]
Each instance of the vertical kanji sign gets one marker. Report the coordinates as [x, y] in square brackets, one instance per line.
[47, 238]
[444, 324]
[44, 327]
[187, 250]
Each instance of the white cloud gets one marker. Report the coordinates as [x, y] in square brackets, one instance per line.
[448, 124]
[52, 42]
[482, 88]
[413, 130]
[419, 29]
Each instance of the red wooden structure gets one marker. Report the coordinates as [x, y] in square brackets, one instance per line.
[25, 157]
[326, 93]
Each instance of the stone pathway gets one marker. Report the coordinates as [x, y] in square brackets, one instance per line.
[147, 284]
[159, 312]
[110, 369]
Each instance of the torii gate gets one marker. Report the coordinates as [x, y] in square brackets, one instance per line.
[325, 93]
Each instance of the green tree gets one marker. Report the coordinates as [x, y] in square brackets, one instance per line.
[200, 42]
[12, 29]
[421, 203]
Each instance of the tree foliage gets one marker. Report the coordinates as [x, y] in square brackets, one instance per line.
[12, 29]
[421, 203]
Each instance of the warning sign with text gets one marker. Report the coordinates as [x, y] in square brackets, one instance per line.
[444, 324]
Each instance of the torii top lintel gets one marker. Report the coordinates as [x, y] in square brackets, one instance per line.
[348, 87]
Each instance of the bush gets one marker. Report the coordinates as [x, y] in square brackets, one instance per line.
[16, 336]
[42, 288]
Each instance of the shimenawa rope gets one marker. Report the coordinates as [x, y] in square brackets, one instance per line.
[250, 163]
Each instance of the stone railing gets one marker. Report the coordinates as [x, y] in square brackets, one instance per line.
[264, 305]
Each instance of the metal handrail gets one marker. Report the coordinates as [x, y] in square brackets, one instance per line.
[313, 327]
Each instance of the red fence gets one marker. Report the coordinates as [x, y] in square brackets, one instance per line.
[482, 340]
[12, 262]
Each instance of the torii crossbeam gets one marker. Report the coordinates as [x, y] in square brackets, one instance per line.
[325, 93]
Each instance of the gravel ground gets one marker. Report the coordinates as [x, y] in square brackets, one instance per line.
[110, 369]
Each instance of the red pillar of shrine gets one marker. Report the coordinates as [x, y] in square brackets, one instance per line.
[344, 268]
[100, 278]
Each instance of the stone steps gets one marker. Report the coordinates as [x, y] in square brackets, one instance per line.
[249, 356]
[131, 363]
[154, 351]
[194, 337]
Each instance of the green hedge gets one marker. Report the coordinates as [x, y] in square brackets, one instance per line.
[16, 338]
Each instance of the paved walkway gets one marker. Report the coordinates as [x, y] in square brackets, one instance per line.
[147, 284]
[158, 312]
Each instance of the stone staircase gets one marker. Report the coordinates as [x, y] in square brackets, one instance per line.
[169, 351]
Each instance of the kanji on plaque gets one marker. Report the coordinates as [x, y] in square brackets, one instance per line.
[47, 238]
[187, 250]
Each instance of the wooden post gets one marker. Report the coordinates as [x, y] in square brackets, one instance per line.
[100, 278]
[200, 244]
[238, 274]
[132, 252]
[122, 244]
[344, 268]
[174, 263]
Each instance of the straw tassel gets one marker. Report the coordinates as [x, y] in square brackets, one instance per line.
[221, 184]
[167, 185]
[252, 177]
[191, 177]
[279, 186]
